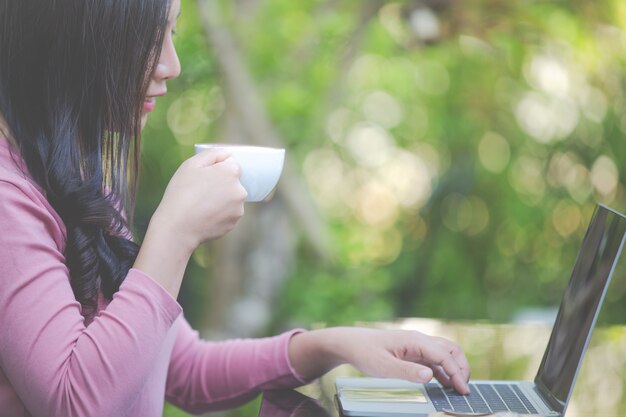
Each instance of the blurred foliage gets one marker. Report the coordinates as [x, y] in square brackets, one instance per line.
[456, 149]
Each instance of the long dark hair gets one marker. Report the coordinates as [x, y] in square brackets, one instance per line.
[73, 77]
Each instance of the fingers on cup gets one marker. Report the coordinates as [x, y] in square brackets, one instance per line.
[231, 166]
[243, 194]
[211, 156]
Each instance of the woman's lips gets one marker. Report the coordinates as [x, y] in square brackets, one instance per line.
[149, 104]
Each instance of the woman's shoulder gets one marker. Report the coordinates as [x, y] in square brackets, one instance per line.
[19, 190]
[13, 173]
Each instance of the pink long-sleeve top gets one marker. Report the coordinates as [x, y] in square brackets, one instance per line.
[138, 350]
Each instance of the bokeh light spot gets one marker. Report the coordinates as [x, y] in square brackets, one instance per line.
[383, 109]
[604, 175]
[494, 152]
[369, 144]
[566, 218]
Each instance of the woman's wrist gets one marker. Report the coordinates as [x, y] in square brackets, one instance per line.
[164, 254]
[164, 227]
[316, 352]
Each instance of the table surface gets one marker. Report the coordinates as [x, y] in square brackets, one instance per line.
[495, 352]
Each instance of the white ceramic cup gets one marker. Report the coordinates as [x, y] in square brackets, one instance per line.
[260, 166]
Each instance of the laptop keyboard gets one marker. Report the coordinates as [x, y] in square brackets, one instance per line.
[483, 398]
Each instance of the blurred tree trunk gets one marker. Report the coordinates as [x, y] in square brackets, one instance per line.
[252, 261]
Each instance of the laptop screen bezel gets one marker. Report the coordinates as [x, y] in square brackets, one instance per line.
[547, 395]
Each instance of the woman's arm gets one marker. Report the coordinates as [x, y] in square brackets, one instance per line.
[408, 355]
[54, 362]
[203, 201]
[205, 376]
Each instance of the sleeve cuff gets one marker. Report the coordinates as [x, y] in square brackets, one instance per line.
[287, 337]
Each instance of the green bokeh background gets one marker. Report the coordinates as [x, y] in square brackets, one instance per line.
[455, 170]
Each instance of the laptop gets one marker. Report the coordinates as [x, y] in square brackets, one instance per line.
[288, 403]
[552, 388]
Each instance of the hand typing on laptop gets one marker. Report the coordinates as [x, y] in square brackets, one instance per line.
[550, 392]
[403, 354]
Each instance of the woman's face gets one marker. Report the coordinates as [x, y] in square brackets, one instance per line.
[168, 66]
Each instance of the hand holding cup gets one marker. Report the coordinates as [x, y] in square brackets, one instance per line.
[260, 167]
[204, 199]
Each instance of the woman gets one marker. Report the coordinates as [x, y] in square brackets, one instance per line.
[89, 323]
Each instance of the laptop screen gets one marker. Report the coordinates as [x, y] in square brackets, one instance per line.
[580, 305]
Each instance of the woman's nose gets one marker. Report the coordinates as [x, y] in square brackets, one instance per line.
[168, 66]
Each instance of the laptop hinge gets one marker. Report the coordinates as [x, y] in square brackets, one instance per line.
[551, 402]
